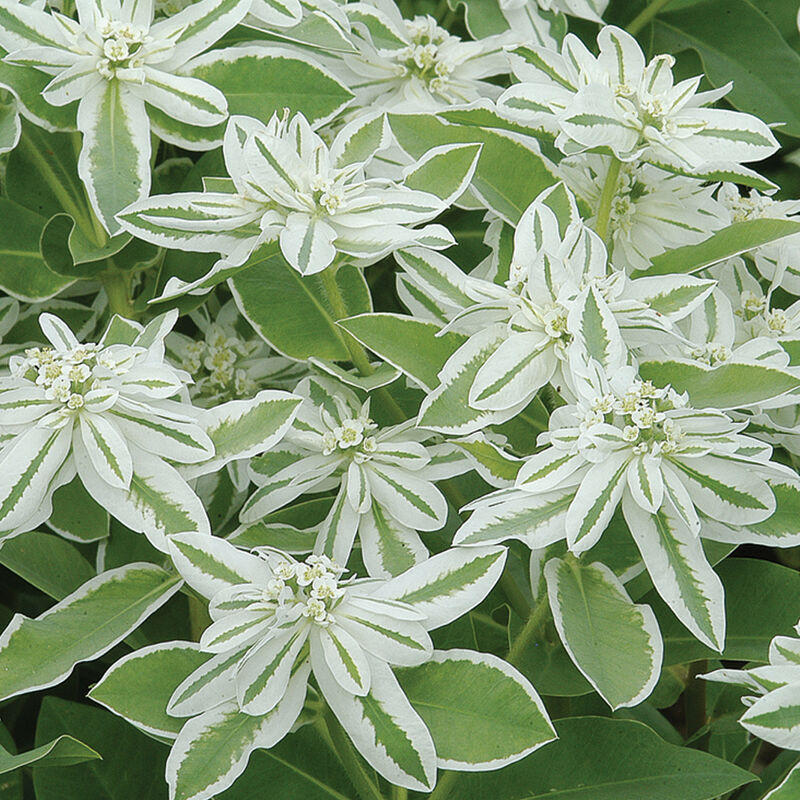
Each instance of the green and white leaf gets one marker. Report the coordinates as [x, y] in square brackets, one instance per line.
[615, 643]
[482, 713]
[41, 652]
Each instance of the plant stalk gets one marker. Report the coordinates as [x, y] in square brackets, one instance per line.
[118, 288]
[607, 198]
[362, 781]
[646, 16]
[358, 355]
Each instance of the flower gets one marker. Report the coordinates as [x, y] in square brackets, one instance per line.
[287, 184]
[229, 362]
[115, 62]
[383, 477]
[617, 101]
[560, 290]
[415, 65]
[112, 412]
[277, 620]
[674, 469]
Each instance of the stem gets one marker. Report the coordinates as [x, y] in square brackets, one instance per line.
[515, 596]
[533, 628]
[607, 198]
[645, 16]
[399, 793]
[198, 617]
[358, 355]
[695, 698]
[118, 288]
[364, 783]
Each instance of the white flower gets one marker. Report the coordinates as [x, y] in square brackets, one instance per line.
[678, 472]
[276, 621]
[560, 290]
[652, 210]
[287, 184]
[115, 62]
[113, 413]
[230, 362]
[384, 492]
[416, 65]
[618, 101]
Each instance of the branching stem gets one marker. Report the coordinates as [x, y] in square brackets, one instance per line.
[646, 16]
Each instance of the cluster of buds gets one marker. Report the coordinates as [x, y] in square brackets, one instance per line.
[68, 375]
[641, 413]
[423, 56]
[352, 437]
[310, 589]
[121, 42]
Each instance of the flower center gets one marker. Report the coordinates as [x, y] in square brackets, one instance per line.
[641, 415]
[121, 44]
[311, 587]
[351, 437]
[67, 376]
[423, 56]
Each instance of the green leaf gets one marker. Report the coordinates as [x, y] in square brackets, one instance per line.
[483, 17]
[61, 752]
[46, 562]
[738, 238]
[293, 313]
[762, 600]
[23, 272]
[300, 766]
[41, 652]
[139, 686]
[27, 84]
[445, 172]
[409, 344]
[789, 788]
[259, 81]
[76, 515]
[596, 758]
[132, 767]
[481, 712]
[244, 428]
[729, 385]
[613, 642]
[737, 42]
[509, 174]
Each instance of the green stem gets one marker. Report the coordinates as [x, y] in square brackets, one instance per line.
[118, 288]
[695, 698]
[198, 617]
[358, 355]
[607, 198]
[399, 793]
[533, 628]
[356, 770]
[646, 16]
[515, 596]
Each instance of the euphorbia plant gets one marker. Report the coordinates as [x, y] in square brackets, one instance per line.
[447, 359]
